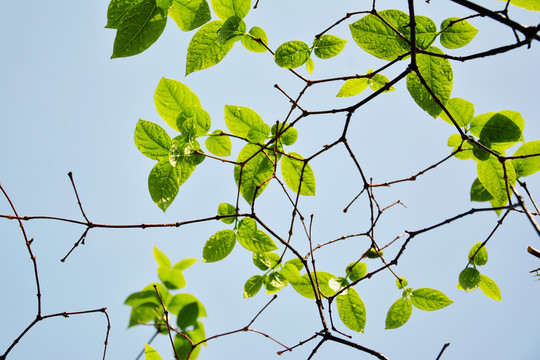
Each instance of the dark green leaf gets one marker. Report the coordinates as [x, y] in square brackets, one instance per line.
[429, 299]
[249, 42]
[224, 9]
[501, 128]
[205, 49]
[140, 26]
[479, 192]
[481, 257]
[161, 258]
[172, 98]
[353, 87]
[274, 282]
[117, 10]
[227, 209]
[530, 165]
[490, 288]
[292, 54]
[218, 144]
[352, 310]
[233, 29]
[255, 173]
[469, 279]
[328, 46]
[190, 14]
[296, 172]
[356, 270]
[219, 246]
[399, 313]
[143, 314]
[437, 73]
[455, 33]
[163, 184]
[179, 301]
[142, 297]
[461, 110]
[253, 285]
[188, 315]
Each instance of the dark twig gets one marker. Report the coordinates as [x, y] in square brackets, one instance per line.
[442, 350]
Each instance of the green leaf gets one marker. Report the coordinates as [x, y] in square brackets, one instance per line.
[292, 54]
[378, 81]
[352, 310]
[500, 130]
[461, 110]
[193, 122]
[328, 46]
[294, 171]
[143, 297]
[426, 32]
[190, 14]
[245, 122]
[143, 314]
[172, 98]
[186, 152]
[152, 140]
[219, 246]
[455, 33]
[302, 284]
[188, 315]
[338, 283]
[161, 258]
[257, 241]
[117, 10]
[253, 285]
[481, 257]
[183, 346]
[399, 313]
[224, 9]
[526, 4]
[184, 264]
[469, 279]
[179, 301]
[491, 175]
[296, 262]
[356, 270]
[401, 283]
[172, 278]
[140, 26]
[163, 184]
[377, 38]
[429, 299]
[467, 149]
[310, 66]
[249, 42]
[479, 192]
[218, 144]
[530, 165]
[150, 353]
[274, 282]
[233, 29]
[205, 49]
[287, 137]
[353, 87]
[226, 209]
[490, 288]
[265, 260]
[254, 173]
[438, 75]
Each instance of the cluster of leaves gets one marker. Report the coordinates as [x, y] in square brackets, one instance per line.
[149, 306]
[470, 278]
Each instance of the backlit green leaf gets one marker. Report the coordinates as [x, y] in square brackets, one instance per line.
[426, 32]
[205, 49]
[258, 242]
[255, 173]
[352, 310]
[243, 121]
[481, 257]
[172, 98]
[356, 270]
[163, 184]
[233, 29]
[461, 110]
[150, 353]
[183, 346]
[140, 26]
[184, 264]
[289, 136]
[455, 33]
[179, 301]
[437, 73]
[526, 4]
[499, 130]
[295, 171]
[182, 151]
[171, 278]
[224, 9]
[152, 140]
[253, 285]
[226, 209]
[492, 175]
[302, 284]
[466, 148]
[219, 145]
[219, 246]
[530, 165]
[479, 192]
[161, 258]
[249, 42]
[265, 260]
[399, 313]
[328, 46]
[117, 10]
[490, 288]
[429, 299]
[353, 87]
[188, 315]
[190, 14]
[469, 279]
[274, 282]
[292, 54]
[310, 66]
[193, 122]
[378, 81]
[296, 262]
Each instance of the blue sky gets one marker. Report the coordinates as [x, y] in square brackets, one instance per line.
[65, 106]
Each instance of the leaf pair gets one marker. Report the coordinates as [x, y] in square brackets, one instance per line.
[470, 278]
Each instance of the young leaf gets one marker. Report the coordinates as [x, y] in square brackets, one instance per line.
[233, 29]
[257, 169]
[253, 285]
[226, 209]
[188, 315]
[266, 260]
[530, 165]
[378, 81]
[437, 73]
[289, 136]
[163, 184]
[294, 171]
[193, 122]
[328, 46]
[481, 257]
[526, 4]
[302, 284]
[190, 14]
[492, 175]
[469, 279]
[426, 32]
[188, 152]
[224, 9]
[401, 283]
[219, 246]
[274, 282]
[501, 129]
[205, 49]
[356, 270]
[353, 87]
[479, 192]
[161, 258]
[456, 33]
[140, 26]
[243, 121]
[466, 152]
[292, 54]
[399, 313]
[490, 288]
[258, 242]
[296, 262]
[429, 299]
[172, 278]
[377, 38]
[152, 140]
[150, 353]
[310, 66]
[249, 42]
[172, 98]
[179, 301]
[461, 110]
[184, 264]
[352, 310]
[218, 144]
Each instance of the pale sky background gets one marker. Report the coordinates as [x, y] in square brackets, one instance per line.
[65, 106]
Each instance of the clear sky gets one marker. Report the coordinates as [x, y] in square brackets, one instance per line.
[65, 106]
